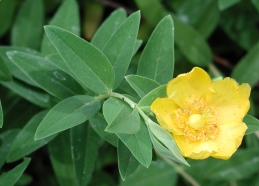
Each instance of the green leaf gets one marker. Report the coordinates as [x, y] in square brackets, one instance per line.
[241, 165]
[34, 96]
[86, 62]
[45, 75]
[168, 141]
[224, 4]
[139, 144]
[138, 44]
[119, 49]
[56, 60]
[99, 124]
[1, 116]
[204, 17]
[159, 173]
[84, 149]
[16, 71]
[246, 71]
[11, 177]
[127, 163]
[67, 17]
[7, 9]
[62, 161]
[142, 85]
[27, 28]
[161, 148]
[121, 118]
[5, 74]
[107, 179]
[148, 99]
[256, 4]
[108, 27]
[7, 139]
[235, 24]
[190, 42]
[24, 143]
[66, 114]
[252, 124]
[157, 59]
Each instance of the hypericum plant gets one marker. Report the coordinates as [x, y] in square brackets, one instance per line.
[90, 95]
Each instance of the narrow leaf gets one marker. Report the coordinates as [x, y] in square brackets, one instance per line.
[190, 42]
[1, 116]
[84, 148]
[62, 161]
[126, 161]
[246, 71]
[11, 177]
[119, 49]
[121, 118]
[167, 140]
[159, 173]
[15, 71]
[252, 124]
[157, 59]
[148, 99]
[67, 17]
[7, 10]
[85, 61]
[5, 74]
[45, 75]
[66, 114]
[142, 85]
[7, 139]
[99, 124]
[160, 147]
[224, 4]
[108, 27]
[27, 28]
[139, 144]
[243, 163]
[57, 61]
[24, 143]
[34, 96]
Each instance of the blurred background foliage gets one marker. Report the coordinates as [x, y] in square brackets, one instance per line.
[222, 36]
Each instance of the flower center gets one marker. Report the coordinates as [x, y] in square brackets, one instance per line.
[196, 121]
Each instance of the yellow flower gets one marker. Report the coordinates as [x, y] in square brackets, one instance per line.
[204, 117]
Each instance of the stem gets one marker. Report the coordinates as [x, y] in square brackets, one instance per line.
[124, 98]
[179, 170]
[214, 69]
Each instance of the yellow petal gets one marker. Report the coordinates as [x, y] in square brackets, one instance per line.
[229, 139]
[195, 150]
[188, 87]
[164, 109]
[230, 100]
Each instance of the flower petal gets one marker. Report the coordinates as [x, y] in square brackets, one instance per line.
[231, 101]
[188, 87]
[195, 150]
[164, 109]
[229, 139]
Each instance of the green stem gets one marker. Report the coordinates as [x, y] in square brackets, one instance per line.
[132, 105]
[179, 170]
[124, 98]
[214, 70]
